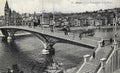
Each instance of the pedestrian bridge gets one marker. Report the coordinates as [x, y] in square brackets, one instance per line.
[46, 36]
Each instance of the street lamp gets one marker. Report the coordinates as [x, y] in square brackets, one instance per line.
[53, 13]
[115, 31]
[42, 21]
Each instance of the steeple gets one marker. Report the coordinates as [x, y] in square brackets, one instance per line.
[6, 5]
[7, 12]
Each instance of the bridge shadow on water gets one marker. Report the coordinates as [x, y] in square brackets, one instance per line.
[25, 62]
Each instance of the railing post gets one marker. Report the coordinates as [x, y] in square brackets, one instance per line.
[115, 45]
[116, 55]
[86, 58]
[99, 46]
[103, 61]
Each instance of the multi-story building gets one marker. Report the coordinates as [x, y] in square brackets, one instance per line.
[12, 17]
[2, 20]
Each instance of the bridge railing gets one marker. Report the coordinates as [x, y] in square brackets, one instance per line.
[111, 63]
[99, 65]
[85, 60]
[99, 68]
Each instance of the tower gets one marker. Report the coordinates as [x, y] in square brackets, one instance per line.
[7, 12]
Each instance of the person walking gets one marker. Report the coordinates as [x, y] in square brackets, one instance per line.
[52, 26]
[94, 54]
[111, 40]
[65, 30]
[103, 43]
[68, 29]
[80, 36]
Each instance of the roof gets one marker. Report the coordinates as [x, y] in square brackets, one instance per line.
[6, 4]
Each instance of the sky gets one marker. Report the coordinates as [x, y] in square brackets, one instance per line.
[67, 6]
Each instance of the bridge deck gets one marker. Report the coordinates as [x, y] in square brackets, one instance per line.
[74, 38]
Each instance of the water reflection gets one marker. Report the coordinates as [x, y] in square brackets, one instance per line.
[11, 53]
[104, 33]
[13, 47]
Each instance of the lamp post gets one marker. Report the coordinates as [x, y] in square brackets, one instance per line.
[53, 9]
[115, 31]
[42, 21]
[53, 13]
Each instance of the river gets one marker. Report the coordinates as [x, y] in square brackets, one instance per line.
[26, 52]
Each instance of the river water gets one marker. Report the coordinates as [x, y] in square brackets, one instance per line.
[19, 52]
[103, 32]
[26, 52]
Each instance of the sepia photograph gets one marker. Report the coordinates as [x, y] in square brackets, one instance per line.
[59, 36]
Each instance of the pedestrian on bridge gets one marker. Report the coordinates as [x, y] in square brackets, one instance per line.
[52, 26]
[66, 29]
[94, 54]
[111, 40]
[80, 36]
[103, 43]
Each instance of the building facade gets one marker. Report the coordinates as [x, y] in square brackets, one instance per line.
[12, 17]
[2, 20]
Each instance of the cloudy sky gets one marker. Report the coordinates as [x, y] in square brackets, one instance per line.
[30, 6]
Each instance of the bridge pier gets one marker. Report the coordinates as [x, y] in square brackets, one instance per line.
[8, 34]
[11, 36]
[103, 61]
[10, 39]
[49, 53]
[4, 32]
[86, 58]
